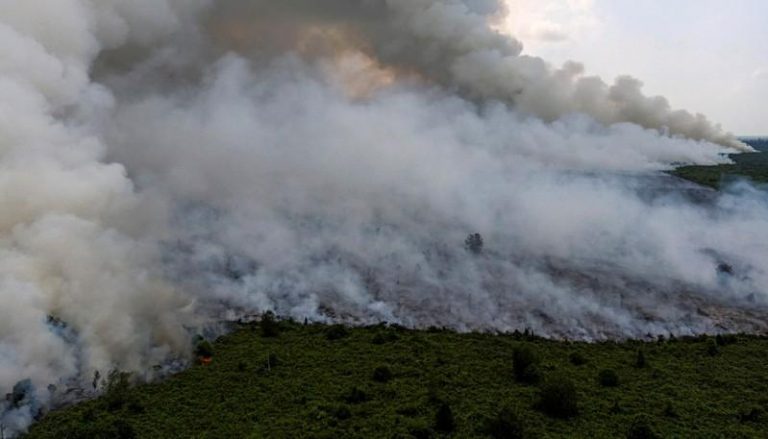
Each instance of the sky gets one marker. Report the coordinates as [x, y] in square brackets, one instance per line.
[707, 56]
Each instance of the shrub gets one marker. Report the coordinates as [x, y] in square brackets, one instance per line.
[558, 398]
[336, 332]
[751, 415]
[355, 396]
[342, 413]
[525, 365]
[382, 374]
[269, 325]
[474, 243]
[117, 390]
[726, 339]
[577, 359]
[506, 425]
[269, 363]
[713, 349]
[420, 432]
[640, 361]
[641, 429]
[670, 412]
[608, 378]
[204, 349]
[532, 374]
[383, 337]
[444, 421]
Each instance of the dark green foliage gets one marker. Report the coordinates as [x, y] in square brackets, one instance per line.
[269, 325]
[385, 336]
[336, 332]
[355, 396]
[726, 339]
[525, 365]
[670, 412]
[506, 425]
[444, 421]
[382, 374]
[641, 429]
[577, 359]
[558, 398]
[204, 349]
[712, 348]
[752, 414]
[304, 393]
[608, 378]
[342, 413]
[474, 243]
[270, 363]
[751, 166]
[640, 361]
[420, 432]
[117, 390]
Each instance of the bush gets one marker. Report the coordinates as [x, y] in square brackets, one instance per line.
[558, 398]
[670, 412]
[641, 429]
[577, 359]
[342, 413]
[336, 332]
[204, 349]
[608, 378]
[117, 390]
[383, 337]
[726, 339]
[355, 396]
[269, 325]
[640, 361]
[525, 365]
[506, 425]
[444, 421]
[532, 374]
[420, 432]
[382, 374]
[713, 349]
[474, 243]
[751, 415]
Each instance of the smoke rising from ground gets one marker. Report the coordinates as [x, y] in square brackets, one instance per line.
[164, 164]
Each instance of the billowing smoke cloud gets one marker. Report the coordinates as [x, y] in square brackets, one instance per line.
[164, 164]
[451, 43]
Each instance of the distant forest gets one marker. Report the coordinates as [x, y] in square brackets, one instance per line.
[753, 166]
[760, 143]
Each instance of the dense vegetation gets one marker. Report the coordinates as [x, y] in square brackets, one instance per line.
[288, 380]
[753, 166]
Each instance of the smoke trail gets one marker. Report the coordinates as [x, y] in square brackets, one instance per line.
[164, 164]
[77, 284]
[450, 42]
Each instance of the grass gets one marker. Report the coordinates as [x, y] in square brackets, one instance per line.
[753, 166]
[385, 382]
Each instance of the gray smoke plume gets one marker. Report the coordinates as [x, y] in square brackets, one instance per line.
[165, 164]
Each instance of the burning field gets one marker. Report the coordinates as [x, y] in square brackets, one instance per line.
[166, 165]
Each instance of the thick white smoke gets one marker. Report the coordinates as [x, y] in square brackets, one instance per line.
[168, 163]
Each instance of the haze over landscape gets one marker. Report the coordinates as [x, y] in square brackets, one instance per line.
[167, 165]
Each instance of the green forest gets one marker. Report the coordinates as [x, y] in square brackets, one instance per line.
[290, 380]
[752, 166]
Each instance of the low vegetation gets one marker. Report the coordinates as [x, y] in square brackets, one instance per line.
[317, 381]
[751, 166]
